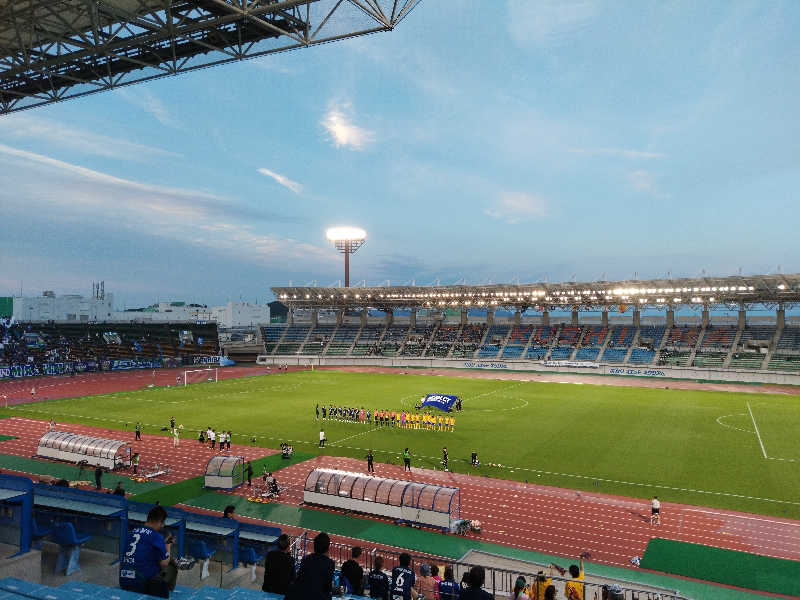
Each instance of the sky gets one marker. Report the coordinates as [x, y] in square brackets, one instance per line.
[477, 142]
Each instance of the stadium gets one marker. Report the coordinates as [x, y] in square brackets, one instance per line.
[623, 439]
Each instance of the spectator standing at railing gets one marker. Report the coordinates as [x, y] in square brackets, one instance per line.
[448, 588]
[518, 593]
[573, 589]
[378, 581]
[315, 577]
[403, 579]
[475, 590]
[354, 572]
[279, 568]
[426, 585]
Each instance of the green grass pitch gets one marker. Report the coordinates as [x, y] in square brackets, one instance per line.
[696, 447]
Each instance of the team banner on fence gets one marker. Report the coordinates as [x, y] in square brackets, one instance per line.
[439, 401]
[581, 364]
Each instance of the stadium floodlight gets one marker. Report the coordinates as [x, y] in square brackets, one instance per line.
[347, 240]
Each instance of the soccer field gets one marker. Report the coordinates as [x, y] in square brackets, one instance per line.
[721, 449]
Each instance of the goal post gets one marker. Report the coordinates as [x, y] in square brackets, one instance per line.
[201, 376]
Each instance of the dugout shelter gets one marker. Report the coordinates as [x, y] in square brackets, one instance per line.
[409, 502]
[73, 447]
[224, 472]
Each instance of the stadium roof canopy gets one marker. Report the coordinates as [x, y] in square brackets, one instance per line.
[51, 50]
[764, 290]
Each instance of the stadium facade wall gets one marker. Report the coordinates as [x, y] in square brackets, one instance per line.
[726, 375]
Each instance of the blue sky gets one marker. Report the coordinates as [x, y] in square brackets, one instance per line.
[537, 140]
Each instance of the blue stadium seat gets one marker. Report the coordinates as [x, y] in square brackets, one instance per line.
[17, 586]
[587, 354]
[68, 558]
[640, 356]
[561, 353]
[614, 355]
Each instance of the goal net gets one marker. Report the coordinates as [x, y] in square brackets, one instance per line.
[201, 376]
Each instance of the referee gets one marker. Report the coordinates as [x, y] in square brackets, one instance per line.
[406, 460]
[370, 459]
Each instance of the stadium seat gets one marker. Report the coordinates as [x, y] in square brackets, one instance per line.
[614, 355]
[642, 356]
[249, 556]
[70, 542]
[199, 550]
[588, 354]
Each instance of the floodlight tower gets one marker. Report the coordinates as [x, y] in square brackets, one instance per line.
[347, 241]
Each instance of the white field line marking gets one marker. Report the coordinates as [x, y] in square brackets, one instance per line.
[354, 435]
[719, 421]
[758, 435]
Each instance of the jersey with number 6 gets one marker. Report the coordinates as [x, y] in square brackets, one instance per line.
[145, 549]
[402, 582]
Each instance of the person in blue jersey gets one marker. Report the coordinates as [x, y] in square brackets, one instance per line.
[448, 587]
[146, 567]
[403, 580]
[378, 581]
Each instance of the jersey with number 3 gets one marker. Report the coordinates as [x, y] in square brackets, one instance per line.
[402, 582]
[145, 549]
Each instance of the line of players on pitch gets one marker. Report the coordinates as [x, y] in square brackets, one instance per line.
[386, 418]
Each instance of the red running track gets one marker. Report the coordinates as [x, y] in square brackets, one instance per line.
[18, 391]
[567, 522]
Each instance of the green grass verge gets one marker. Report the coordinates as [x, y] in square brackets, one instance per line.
[3, 438]
[72, 473]
[180, 492]
[429, 542]
[740, 569]
[696, 447]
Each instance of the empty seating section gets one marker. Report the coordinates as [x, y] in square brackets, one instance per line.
[784, 362]
[746, 360]
[674, 358]
[319, 338]
[613, 355]
[709, 359]
[589, 354]
[764, 335]
[790, 339]
[561, 353]
[517, 340]
[621, 337]
[272, 334]
[541, 338]
[346, 333]
[650, 337]
[594, 335]
[471, 336]
[642, 356]
[367, 340]
[718, 337]
[292, 340]
[494, 339]
[569, 336]
[683, 337]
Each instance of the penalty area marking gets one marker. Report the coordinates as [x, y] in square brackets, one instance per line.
[758, 435]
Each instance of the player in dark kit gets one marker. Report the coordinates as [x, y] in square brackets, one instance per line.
[444, 458]
[403, 580]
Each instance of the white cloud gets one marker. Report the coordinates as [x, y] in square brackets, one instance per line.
[645, 182]
[515, 207]
[283, 180]
[343, 131]
[150, 103]
[548, 22]
[49, 186]
[27, 126]
[621, 152]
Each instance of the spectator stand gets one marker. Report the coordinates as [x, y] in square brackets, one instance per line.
[77, 448]
[224, 472]
[175, 523]
[81, 516]
[406, 502]
[16, 511]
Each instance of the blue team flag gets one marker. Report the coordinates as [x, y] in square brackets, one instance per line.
[439, 401]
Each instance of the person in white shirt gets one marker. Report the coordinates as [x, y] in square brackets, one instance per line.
[175, 439]
[655, 513]
[212, 436]
[321, 438]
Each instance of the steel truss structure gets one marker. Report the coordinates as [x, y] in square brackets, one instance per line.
[51, 50]
[769, 291]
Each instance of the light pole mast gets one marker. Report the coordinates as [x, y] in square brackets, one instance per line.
[347, 240]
